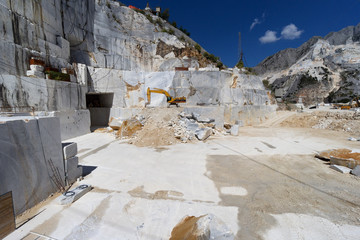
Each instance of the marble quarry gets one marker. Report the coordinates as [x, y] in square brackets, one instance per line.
[70, 65]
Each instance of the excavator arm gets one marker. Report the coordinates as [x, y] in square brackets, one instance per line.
[356, 99]
[157, 90]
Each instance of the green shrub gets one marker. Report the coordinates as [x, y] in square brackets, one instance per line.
[198, 48]
[219, 65]
[211, 57]
[174, 24]
[149, 18]
[58, 76]
[240, 64]
[165, 14]
[169, 31]
[184, 31]
[140, 11]
[267, 84]
[249, 71]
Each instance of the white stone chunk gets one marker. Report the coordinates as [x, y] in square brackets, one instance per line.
[31, 73]
[115, 123]
[356, 171]
[234, 130]
[206, 227]
[203, 133]
[37, 68]
[341, 169]
[81, 73]
[69, 150]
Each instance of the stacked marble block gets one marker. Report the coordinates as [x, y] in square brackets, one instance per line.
[36, 68]
[72, 169]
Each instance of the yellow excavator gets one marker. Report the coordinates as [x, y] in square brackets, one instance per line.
[351, 105]
[169, 99]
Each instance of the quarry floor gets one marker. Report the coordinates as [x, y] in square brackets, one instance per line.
[263, 184]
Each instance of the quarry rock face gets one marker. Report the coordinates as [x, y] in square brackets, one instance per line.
[104, 47]
[322, 69]
[215, 95]
[121, 38]
[101, 34]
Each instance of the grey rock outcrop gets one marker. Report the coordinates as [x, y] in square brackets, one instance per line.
[285, 58]
[343, 36]
[321, 69]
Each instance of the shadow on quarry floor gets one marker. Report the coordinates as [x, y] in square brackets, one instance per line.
[87, 170]
[94, 128]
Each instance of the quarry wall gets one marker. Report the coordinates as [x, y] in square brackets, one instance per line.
[236, 96]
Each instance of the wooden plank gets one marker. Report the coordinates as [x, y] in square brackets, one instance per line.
[7, 216]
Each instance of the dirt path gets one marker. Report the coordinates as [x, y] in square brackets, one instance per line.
[277, 119]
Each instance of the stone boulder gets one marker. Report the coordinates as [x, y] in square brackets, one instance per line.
[115, 123]
[234, 130]
[205, 227]
[203, 133]
[129, 128]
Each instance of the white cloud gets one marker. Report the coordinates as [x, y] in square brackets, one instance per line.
[269, 37]
[257, 21]
[291, 32]
[254, 23]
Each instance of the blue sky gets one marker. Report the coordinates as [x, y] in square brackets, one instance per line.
[276, 24]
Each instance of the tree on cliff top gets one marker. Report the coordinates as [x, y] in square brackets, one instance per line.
[165, 14]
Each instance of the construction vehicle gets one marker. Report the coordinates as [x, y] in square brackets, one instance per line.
[351, 105]
[169, 99]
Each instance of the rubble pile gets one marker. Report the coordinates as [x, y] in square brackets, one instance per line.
[342, 160]
[344, 120]
[166, 126]
[194, 126]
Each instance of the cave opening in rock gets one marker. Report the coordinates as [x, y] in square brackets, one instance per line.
[99, 105]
